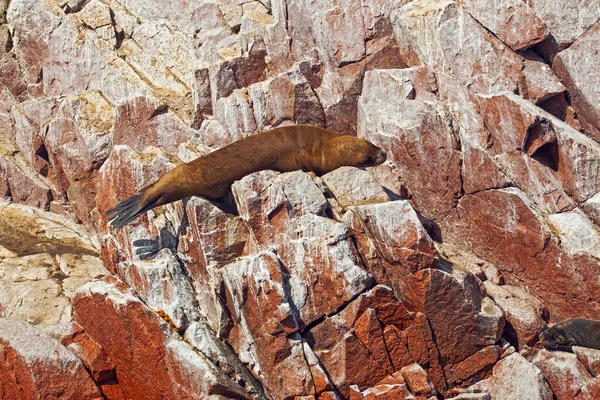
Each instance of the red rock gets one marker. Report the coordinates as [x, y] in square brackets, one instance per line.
[248, 301]
[355, 393]
[565, 374]
[32, 23]
[417, 380]
[287, 97]
[462, 321]
[238, 72]
[476, 366]
[24, 185]
[369, 332]
[124, 173]
[149, 360]
[338, 347]
[516, 238]
[570, 156]
[94, 358]
[396, 342]
[37, 366]
[202, 97]
[591, 390]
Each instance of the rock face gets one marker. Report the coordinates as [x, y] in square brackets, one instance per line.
[430, 276]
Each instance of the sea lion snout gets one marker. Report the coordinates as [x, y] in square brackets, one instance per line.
[381, 157]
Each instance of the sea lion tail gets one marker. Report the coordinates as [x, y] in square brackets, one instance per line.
[129, 209]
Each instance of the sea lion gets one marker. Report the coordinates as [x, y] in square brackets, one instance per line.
[572, 332]
[289, 148]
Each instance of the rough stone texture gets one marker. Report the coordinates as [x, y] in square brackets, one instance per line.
[353, 187]
[479, 230]
[36, 366]
[590, 358]
[568, 21]
[512, 21]
[525, 315]
[573, 65]
[505, 385]
[563, 371]
[140, 344]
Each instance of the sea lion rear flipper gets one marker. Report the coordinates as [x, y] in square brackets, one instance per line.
[129, 209]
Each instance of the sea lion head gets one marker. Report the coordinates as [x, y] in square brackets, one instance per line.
[357, 152]
[557, 337]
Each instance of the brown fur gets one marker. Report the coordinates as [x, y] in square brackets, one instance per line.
[290, 148]
[572, 332]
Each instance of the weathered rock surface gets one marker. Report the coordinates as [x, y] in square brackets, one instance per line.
[430, 275]
[35, 365]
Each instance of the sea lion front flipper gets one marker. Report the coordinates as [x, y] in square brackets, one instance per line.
[129, 209]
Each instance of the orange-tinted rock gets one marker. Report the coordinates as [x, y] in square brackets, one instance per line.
[524, 251]
[462, 321]
[36, 366]
[417, 380]
[369, 332]
[91, 354]
[149, 359]
[476, 366]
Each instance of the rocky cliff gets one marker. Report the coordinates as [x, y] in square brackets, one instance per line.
[430, 276]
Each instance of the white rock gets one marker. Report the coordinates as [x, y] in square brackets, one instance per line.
[576, 233]
[563, 371]
[353, 186]
[515, 378]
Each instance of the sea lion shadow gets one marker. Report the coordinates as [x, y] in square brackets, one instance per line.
[148, 249]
